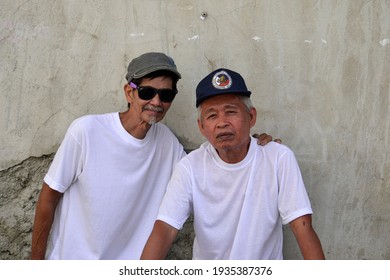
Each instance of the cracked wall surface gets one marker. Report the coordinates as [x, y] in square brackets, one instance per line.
[19, 185]
[319, 72]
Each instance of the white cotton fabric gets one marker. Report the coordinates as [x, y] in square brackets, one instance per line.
[238, 208]
[113, 184]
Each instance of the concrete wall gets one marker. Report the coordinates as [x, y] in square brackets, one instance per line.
[319, 72]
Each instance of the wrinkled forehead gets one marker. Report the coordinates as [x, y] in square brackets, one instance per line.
[221, 103]
[224, 100]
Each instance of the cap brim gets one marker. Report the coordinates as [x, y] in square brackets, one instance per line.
[154, 69]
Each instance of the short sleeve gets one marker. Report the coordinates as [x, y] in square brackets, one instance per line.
[176, 205]
[67, 163]
[293, 200]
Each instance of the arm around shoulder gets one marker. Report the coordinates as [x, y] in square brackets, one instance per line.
[44, 216]
[307, 238]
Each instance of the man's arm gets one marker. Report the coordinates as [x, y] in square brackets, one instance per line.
[44, 215]
[307, 239]
[159, 242]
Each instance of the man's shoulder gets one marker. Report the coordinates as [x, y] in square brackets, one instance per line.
[93, 118]
[87, 122]
[197, 154]
[274, 147]
[277, 153]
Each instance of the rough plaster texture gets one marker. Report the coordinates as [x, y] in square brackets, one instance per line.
[19, 187]
[319, 72]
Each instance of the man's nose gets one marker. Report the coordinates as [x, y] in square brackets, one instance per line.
[222, 122]
[156, 100]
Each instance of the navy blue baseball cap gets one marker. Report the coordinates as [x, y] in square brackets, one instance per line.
[220, 81]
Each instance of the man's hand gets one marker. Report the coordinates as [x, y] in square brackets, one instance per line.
[264, 139]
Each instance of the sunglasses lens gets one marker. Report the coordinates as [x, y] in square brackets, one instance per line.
[167, 95]
[147, 93]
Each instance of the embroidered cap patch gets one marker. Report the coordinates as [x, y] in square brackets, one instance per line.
[222, 80]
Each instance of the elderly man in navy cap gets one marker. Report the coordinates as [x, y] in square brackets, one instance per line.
[240, 194]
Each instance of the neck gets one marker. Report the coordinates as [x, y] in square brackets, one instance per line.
[236, 154]
[133, 125]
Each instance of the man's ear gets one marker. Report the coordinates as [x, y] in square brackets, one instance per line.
[200, 126]
[128, 93]
[253, 116]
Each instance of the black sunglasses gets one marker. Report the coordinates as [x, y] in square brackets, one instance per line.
[147, 93]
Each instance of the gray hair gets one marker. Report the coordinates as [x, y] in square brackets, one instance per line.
[244, 99]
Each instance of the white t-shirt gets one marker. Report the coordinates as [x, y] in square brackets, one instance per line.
[238, 208]
[113, 184]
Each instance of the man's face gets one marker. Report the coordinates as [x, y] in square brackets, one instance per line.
[153, 110]
[226, 122]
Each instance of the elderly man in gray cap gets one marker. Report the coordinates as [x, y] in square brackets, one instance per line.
[101, 194]
[103, 188]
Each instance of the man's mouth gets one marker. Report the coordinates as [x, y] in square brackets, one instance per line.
[225, 136]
